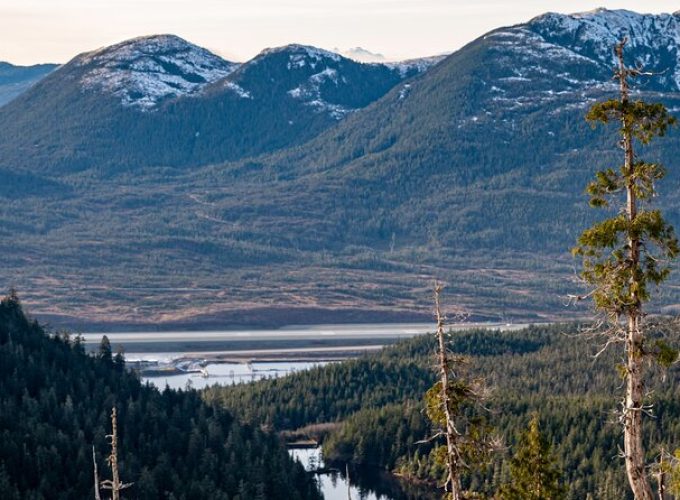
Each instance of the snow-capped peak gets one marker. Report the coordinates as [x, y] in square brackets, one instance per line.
[301, 55]
[362, 55]
[653, 39]
[144, 71]
[594, 33]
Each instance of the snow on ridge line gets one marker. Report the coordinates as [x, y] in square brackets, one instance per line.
[313, 52]
[610, 24]
[420, 64]
[653, 39]
[149, 44]
[146, 70]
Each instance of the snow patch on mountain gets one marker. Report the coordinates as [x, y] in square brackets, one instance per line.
[300, 56]
[653, 39]
[240, 91]
[335, 110]
[563, 62]
[310, 92]
[145, 71]
[419, 65]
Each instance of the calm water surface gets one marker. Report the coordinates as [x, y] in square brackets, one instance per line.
[364, 484]
[216, 373]
[334, 485]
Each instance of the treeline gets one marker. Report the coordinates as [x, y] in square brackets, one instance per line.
[55, 403]
[542, 370]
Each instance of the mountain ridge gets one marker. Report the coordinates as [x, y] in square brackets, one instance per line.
[160, 100]
[146, 70]
[14, 80]
[471, 172]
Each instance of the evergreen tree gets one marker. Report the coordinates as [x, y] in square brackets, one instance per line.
[171, 444]
[119, 359]
[105, 350]
[534, 472]
[627, 254]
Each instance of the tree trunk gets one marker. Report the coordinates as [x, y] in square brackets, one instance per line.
[114, 484]
[452, 456]
[115, 491]
[97, 496]
[632, 416]
[661, 477]
[632, 431]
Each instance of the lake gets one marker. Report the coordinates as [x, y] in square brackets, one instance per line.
[365, 483]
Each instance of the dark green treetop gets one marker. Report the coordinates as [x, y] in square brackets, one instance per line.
[535, 474]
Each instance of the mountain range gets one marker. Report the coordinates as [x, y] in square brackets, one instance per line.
[161, 100]
[153, 181]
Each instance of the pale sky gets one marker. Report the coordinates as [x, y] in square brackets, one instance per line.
[33, 31]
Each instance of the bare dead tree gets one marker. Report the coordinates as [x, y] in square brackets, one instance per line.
[97, 496]
[453, 457]
[114, 484]
[468, 440]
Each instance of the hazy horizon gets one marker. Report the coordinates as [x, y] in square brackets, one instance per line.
[42, 31]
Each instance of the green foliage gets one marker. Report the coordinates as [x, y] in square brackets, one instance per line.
[543, 369]
[665, 355]
[674, 474]
[55, 403]
[105, 350]
[460, 394]
[534, 474]
[642, 120]
[474, 432]
[379, 436]
[621, 282]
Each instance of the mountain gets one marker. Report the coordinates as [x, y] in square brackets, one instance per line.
[471, 172]
[16, 79]
[362, 55]
[144, 72]
[161, 100]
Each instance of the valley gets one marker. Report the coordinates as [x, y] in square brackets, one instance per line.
[469, 169]
[315, 273]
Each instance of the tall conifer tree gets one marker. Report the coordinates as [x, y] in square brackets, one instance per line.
[534, 471]
[627, 254]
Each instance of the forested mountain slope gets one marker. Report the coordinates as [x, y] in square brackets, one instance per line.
[17, 79]
[378, 400]
[471, 172]
[488, 150]
[55, 403]
[162, 101]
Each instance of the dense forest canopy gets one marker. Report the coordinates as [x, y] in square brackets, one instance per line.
[547, 370]
[55, 403]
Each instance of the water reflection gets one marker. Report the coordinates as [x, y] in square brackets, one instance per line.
[364, 483]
